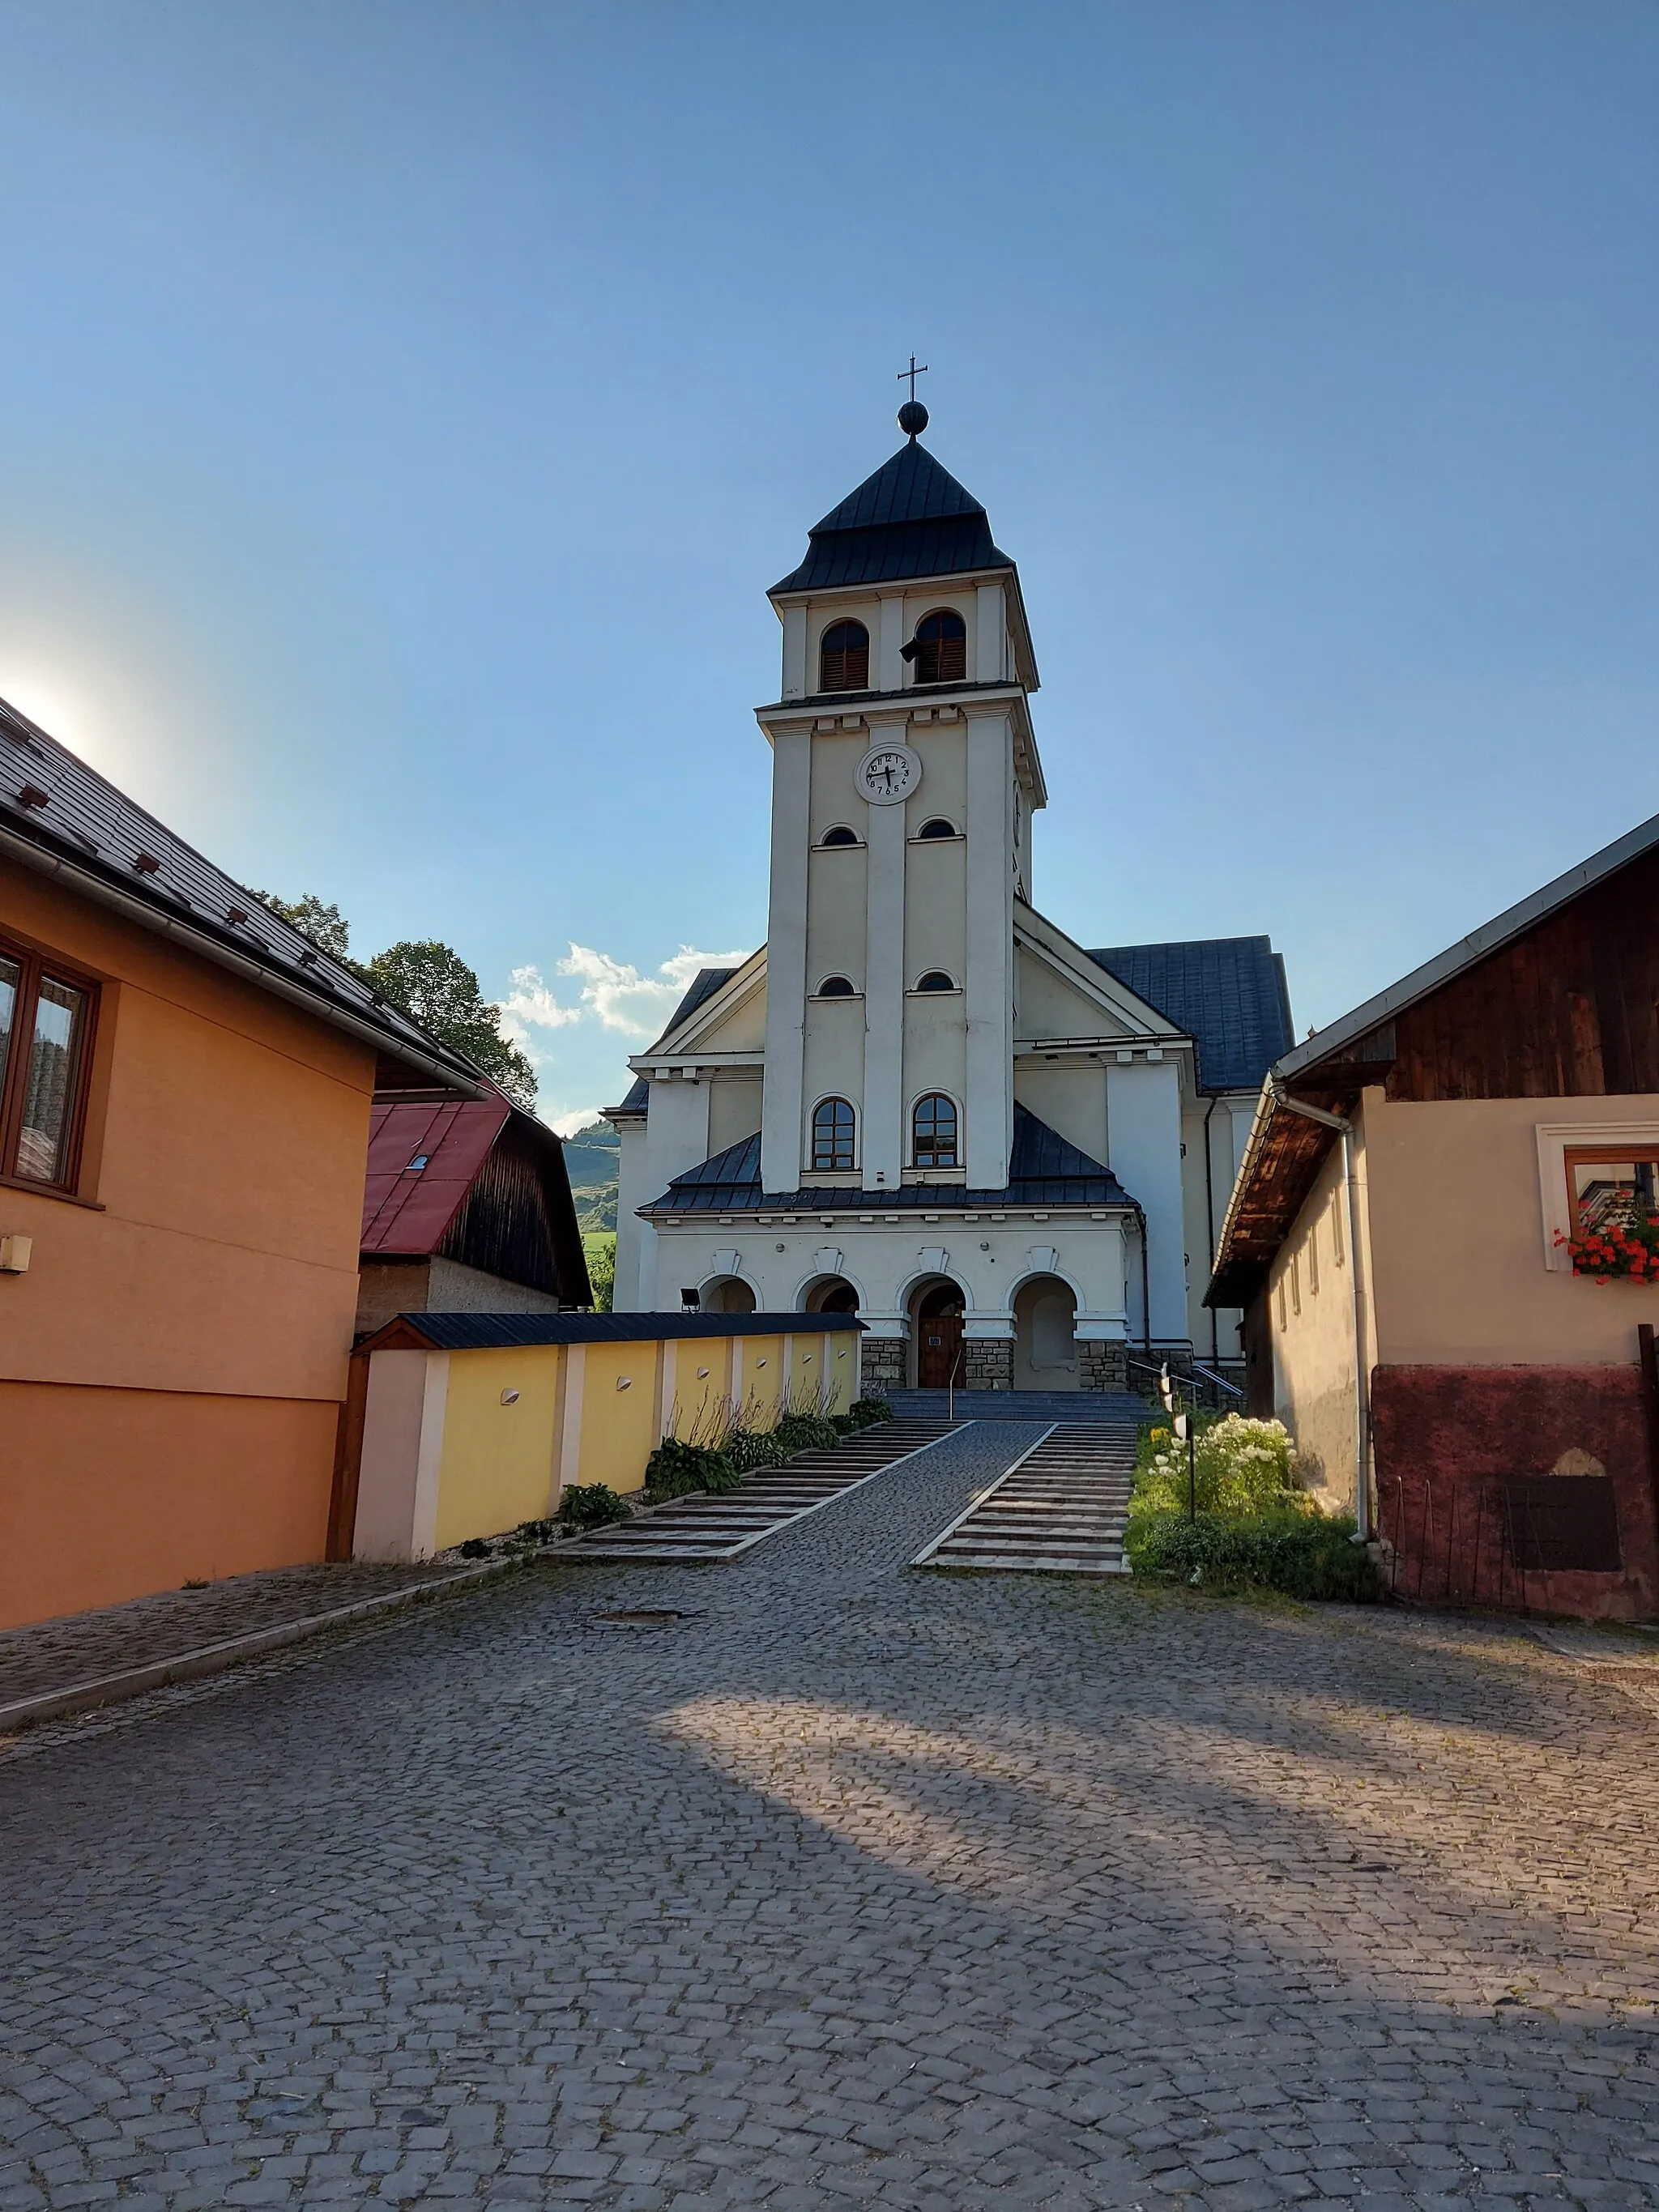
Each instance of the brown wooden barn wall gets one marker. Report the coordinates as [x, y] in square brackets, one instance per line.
[1569, 1010]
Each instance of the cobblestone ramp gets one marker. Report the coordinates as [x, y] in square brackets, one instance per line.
[1059, 1510]
[701, 1531]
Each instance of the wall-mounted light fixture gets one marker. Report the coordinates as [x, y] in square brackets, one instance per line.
[509, 1397]
[15, 1253]
[624, 1382]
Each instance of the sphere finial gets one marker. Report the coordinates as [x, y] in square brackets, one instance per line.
[913, 418]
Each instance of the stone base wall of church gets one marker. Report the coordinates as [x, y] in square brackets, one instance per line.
[882, 1364]
[989, 1363]
[1102, 1366]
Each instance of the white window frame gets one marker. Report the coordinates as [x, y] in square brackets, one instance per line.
[1555, 1140]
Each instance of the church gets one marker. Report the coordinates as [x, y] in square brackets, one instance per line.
[921, 1100]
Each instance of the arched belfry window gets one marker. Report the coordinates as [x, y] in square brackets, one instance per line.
[840, 835]
[935, 980]
[939, 648]
[933, 1132]
[836, 987]
[832, 1133]
[844, 657]
[938, 827]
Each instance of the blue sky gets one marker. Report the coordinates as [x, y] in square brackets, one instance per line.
[406, 406]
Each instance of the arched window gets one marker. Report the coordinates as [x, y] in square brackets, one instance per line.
[844, 657]
[836, 987]
[832, 1133]
[938, 827]
[939, 648]
[935, 980]
[933, 1132]
[840, 835]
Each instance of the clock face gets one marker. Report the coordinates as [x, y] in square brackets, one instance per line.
[888, 773]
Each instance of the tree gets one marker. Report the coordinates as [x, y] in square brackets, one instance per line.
[435, 985]
[431, 982]
[325, 926]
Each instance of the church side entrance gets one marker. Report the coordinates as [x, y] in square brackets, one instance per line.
[936, 1330]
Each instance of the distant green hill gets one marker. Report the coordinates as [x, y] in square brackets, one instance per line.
[589, 1159]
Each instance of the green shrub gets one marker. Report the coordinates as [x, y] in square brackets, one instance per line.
[748, 1449]
[592, 1505]
[1305, 1553]
[475, 1548]
[676, 1470]
[1244, 1467]
[535, 1533]
[864, 1412]
[799, 1433]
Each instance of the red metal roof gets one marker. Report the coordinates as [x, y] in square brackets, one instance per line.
[407, 1209]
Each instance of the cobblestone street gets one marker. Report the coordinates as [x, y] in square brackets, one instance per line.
[854, 1884]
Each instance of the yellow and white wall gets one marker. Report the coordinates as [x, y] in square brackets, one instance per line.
[473, 1443]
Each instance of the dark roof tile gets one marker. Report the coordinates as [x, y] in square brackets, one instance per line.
[1228, 993]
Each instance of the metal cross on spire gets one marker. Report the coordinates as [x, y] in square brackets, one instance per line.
[913, 372]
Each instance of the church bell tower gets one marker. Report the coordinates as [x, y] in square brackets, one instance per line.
[905, 775]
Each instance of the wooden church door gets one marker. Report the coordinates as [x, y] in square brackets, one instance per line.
[938, 1339]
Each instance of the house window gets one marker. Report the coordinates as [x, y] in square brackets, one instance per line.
[844, 657]
[45, 1027]
[1336, 1226]
[939, 650]
[832, 1133]
[1296, 1285]
[1282, 1317]
[836, 987]
[1313, 1258]
[1605, 1193]
[938, 827]
[840, 835]
[933, 1132]
[935, 980]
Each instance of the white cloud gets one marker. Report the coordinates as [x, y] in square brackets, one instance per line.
[612, 992]
[580, 1117]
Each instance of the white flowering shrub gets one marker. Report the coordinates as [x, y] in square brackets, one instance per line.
[1244, 1468]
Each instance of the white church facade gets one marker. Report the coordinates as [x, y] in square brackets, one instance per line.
[920, 1099]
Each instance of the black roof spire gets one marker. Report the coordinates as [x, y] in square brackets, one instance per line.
[911, 518]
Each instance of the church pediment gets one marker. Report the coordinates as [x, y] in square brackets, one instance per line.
[729, 1017]
[1060, 992]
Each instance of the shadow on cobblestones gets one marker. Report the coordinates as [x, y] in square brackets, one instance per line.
[920, 1890]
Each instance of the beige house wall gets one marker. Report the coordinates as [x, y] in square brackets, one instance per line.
[1457, 1227]
[1310, 1311]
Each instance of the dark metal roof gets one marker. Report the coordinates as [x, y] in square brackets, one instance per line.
[81, 828]
[1228, 993]
[1044, 1170]
[474, 1332]
[911, 518]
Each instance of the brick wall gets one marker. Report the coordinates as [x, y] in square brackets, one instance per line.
[1448, 1441]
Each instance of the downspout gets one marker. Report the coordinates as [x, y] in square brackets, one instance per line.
[1362, 1488]
[1209, 1208]
[1145, 1284]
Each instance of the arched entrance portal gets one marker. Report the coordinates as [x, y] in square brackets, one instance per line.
[726, 1294]
[936, 1313]
[830, 1294]
[1045, 1350]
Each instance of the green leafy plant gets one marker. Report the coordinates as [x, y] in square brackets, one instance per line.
[748, 1449]
[676, 1469]
[592, 1505]
[865, 1412]
[475, 1548]
[799, 1432]
[1306, 1554]
[1241, 1466]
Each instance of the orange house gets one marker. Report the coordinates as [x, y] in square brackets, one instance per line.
[184, 1092]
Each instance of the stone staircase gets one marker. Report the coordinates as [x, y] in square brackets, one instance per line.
[1060, 1510]
[700, 1530]
[1067, 1405]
